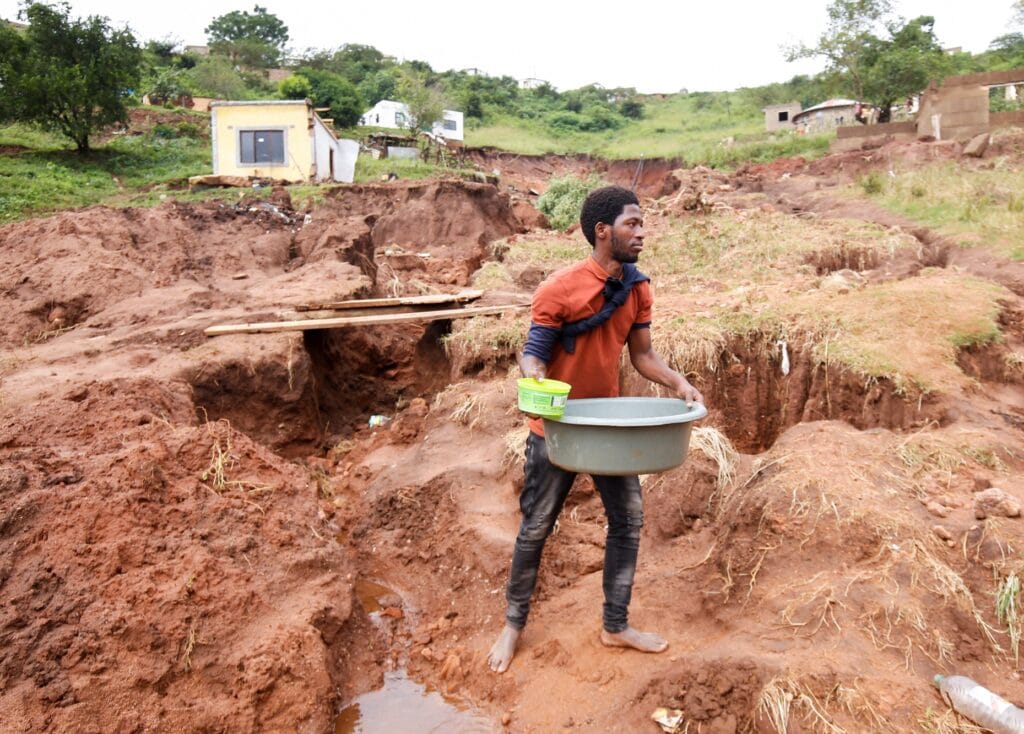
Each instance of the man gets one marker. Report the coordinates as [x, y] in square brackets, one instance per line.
[582, 316]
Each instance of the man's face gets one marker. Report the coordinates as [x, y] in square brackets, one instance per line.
[628, 234]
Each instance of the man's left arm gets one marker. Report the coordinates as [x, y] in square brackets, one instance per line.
[650, 364]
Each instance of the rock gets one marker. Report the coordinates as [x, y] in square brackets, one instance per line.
[506, 718]
[994, 502]
[12, 480]
[208, 181]
[978, 145]
[529, 215]
[942, 532]
[937, 509]
[451, 669]
[842, 281]
[427, 654]
[981, 483]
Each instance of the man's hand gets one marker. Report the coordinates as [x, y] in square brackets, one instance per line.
[685, 391]
[530, 366]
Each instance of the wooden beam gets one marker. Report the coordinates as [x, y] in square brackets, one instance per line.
[269, 327]
[430, 299]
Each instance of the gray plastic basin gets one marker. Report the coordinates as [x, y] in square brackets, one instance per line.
[621, 436]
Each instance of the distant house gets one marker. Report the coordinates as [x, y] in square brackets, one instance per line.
[283, 139]
[780, 116]
[198, 50]
[390, 114]
[531, 83]
[830, 114]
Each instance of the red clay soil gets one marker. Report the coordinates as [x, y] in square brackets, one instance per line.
[184, 521]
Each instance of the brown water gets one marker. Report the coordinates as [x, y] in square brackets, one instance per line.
[369, 594]
[404, 706]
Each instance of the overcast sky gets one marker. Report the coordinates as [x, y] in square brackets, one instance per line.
[653, 46]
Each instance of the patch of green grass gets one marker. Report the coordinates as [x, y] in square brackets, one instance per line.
[486, 340]
[1008, 612]
[48, 176]
[562, 201]
[371, 169]
[976, 207]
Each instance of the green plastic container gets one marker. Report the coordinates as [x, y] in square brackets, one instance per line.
[545, 398]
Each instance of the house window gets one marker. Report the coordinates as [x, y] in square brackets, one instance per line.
[451, 125]
[784, 116]
[400, 118]
[261, 146]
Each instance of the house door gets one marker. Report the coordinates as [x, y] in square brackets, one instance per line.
[330, 163]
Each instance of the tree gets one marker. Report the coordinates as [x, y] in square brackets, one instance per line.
[67, 75]
[851, 27]
[254, 39]
[214, 76]
[875, 57]
[426, 103]
[336, 92]
[168, 85]
[379, 85]
[901, 65]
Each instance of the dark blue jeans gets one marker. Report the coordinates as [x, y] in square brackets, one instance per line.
[544, 492]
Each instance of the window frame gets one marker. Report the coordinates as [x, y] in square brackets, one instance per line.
[261, 164]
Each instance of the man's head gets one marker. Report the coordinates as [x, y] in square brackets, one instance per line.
[611, 217]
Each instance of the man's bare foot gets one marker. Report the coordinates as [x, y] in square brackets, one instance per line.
[629, 637]
[503, 649]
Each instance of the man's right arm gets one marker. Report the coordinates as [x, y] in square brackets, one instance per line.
[545, 327]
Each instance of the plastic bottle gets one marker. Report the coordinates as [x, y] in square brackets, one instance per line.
[980, 705]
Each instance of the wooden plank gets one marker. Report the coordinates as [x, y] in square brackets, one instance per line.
[430, 299]
[268, 327]
[352, 312]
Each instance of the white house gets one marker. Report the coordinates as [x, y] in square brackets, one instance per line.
[391, 114]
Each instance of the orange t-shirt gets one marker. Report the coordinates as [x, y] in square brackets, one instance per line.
[575, 293]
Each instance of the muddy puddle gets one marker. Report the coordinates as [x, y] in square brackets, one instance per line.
[403, 705]
[375, 598]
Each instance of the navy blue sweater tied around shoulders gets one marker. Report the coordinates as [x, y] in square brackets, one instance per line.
[541, 340]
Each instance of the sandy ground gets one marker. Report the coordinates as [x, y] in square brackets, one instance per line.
[185, 522]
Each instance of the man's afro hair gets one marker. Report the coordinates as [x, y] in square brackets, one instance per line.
[604, 205]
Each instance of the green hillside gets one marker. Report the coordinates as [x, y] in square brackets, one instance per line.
[715, 129]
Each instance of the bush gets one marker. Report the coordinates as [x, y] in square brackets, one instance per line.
[872, 183]
[632, 109]
[562, 201]
[295, 87]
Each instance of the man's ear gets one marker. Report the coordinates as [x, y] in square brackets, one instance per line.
[600, 230]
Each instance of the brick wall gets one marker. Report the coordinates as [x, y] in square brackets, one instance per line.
[1007, 119]
[885, 128]
[985, 78]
